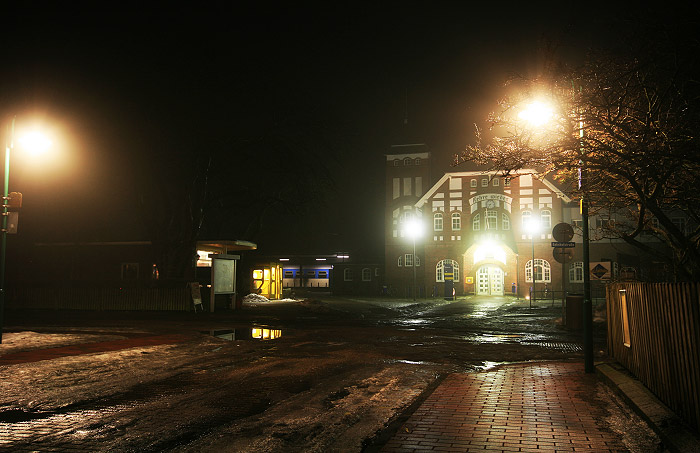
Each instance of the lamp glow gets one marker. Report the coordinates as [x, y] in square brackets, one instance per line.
[35, 142]
[537, 113]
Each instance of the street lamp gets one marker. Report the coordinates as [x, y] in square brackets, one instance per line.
[537, 114]
[35, 143]
[414, 229]
[533, 227]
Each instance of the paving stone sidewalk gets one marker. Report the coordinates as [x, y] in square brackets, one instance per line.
[516, 408]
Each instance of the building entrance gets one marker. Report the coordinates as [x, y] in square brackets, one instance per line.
[489, 280]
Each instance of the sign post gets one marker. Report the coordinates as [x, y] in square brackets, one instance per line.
[563, 252]
[449, 281]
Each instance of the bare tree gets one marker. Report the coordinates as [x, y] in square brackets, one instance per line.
[630, 121]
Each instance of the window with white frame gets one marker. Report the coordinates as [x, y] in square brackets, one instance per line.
[437, 221]
[456, 221]
[491, 220]
[440, 270]
[543, 273]
[496, 181]
[399, 261]
[347, 275]
[485, 182]
[546, 219]
[366, 274]
[476, 222]
[408, 260]
[407, 161]
[505, 221]
[576, 272]
[472, 183]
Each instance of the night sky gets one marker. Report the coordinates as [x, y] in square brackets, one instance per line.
[122, 83]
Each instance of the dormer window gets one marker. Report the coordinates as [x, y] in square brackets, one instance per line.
[407, 161]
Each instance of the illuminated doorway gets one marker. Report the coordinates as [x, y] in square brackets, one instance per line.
[267, 281]
[489, 280]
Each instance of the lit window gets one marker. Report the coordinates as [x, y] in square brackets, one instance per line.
[366, 274]
[491, 220]
[456, 221]
[576, 272]
[505, 221]
[476, 222]
[526, 219]
[543, 272]
[347, 275]
[546, 219]
[437, 221]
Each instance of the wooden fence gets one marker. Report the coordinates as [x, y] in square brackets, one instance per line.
[159, 299]
[654, 331]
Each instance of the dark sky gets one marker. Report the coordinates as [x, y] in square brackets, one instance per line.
[124, 81]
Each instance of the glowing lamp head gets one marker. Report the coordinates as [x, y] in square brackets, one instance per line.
[414, 228]
[533, 226]
[35, 142]
[537, 113]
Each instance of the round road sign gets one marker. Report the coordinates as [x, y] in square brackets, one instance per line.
[562, 232]
[563, 255]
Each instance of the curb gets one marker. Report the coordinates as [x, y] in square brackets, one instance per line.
[674, 433]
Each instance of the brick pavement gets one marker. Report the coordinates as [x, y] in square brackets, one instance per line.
[529, 407]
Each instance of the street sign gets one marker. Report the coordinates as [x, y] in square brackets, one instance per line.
[564, 244]
[563, 255]
[562, 232]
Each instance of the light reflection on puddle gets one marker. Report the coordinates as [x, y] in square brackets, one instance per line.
[246, 333]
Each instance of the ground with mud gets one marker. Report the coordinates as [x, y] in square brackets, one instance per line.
[339, 375]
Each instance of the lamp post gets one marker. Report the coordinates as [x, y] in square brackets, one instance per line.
[414, 229]
[533, 227]
[537, 114]
[36, 143]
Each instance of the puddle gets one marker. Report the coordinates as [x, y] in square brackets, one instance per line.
[246, 333]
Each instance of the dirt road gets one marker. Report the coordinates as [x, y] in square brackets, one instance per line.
[338, 373]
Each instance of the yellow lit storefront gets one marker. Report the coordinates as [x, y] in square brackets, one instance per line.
[267, 281]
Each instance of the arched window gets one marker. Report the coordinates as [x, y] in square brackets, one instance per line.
[347, 275]
[505, 221]
[491, 219]
[476, 222]
[546, 219]
[456, 221]
[440, 270]
[366, 274]
[417, 161]
[437, 221]
[543, 272]
[399, 262]
[407, 161]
